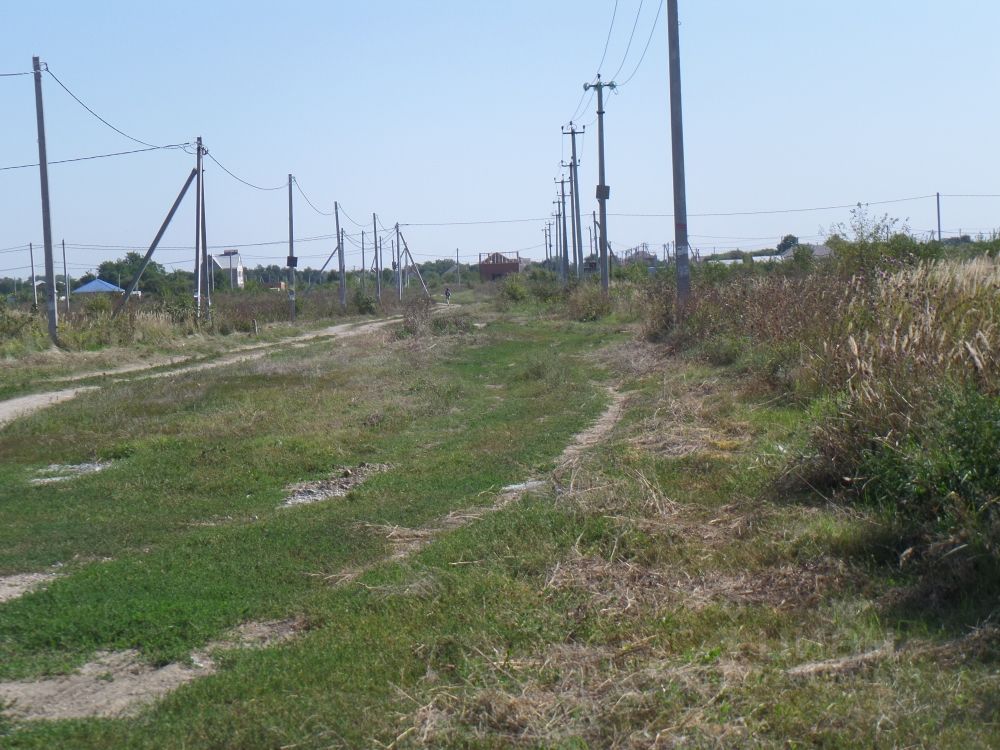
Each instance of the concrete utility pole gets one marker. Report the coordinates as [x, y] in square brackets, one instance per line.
[208, 271]
[378, 259]
[65, 277]
[340, 257]
[43, 169]
[677, 154]
[34, 286]
[197, 229]
[156, 241]
[571, 228]
[399, 264]
[545, 239]
[939, 215]
[565, 236]
[603, 191]
[558, 249]
[291, 254]
[575, 181]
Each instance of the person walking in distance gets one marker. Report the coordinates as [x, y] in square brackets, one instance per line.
[447, 295]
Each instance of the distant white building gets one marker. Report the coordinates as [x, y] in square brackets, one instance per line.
[231, 265]
[818, 251]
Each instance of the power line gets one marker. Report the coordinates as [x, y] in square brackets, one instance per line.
[240, 179]
[784, 210]
[580, 106]
[9, 75]
[99, 156]
[348, 217]
[80, 102]
[631, 36]
[469, 223]
[311, 205]
[645, 49]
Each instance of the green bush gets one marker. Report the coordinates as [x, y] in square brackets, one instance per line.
[943, 478]
[588, 302]
[365, 303]
[513, 289]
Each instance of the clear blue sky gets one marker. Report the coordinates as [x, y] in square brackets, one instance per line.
[451, 111]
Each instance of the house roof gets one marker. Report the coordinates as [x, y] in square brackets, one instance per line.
[819, 251]
[97, 286]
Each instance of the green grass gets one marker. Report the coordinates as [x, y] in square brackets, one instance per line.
[515, 630]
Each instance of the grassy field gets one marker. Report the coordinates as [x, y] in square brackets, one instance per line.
[658, 590]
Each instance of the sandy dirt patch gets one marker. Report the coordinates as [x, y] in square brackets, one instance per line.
[64, 472]
[120, 684]
[341, 482]
[19, 584]
[21, 406]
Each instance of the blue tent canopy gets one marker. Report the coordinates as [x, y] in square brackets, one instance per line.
[97, 286]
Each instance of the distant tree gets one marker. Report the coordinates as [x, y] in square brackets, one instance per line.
[787, 243]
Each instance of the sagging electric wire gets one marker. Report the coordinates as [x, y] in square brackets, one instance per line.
[240, 179]
[98, 156]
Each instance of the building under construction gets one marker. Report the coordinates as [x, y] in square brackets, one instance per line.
[494, 266]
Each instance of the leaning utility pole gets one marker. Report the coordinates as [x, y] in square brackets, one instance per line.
[291, 254]
[340, 257]
[603, 191]
[677, 151]
[565, 235]
[575, 182]
[43, 169]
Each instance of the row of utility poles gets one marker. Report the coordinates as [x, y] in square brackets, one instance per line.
[568, 235]
[560, 237]
[203, 271]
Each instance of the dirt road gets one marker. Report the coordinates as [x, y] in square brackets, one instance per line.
[21, 406]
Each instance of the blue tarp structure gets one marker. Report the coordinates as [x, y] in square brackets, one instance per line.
[98, 286]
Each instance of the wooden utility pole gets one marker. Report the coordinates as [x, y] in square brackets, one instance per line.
[575, 183]
[364, 268]
[603, 191]
[378, 259]
[34, 286]
[458, 268]
[291, 261]
[43, 169]
[677, 153]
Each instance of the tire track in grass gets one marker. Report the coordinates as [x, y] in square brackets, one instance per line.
[120, 684]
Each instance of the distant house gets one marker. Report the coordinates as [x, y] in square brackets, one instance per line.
[231, 265]
[98, 286]
[818, 251]
[494, 266]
